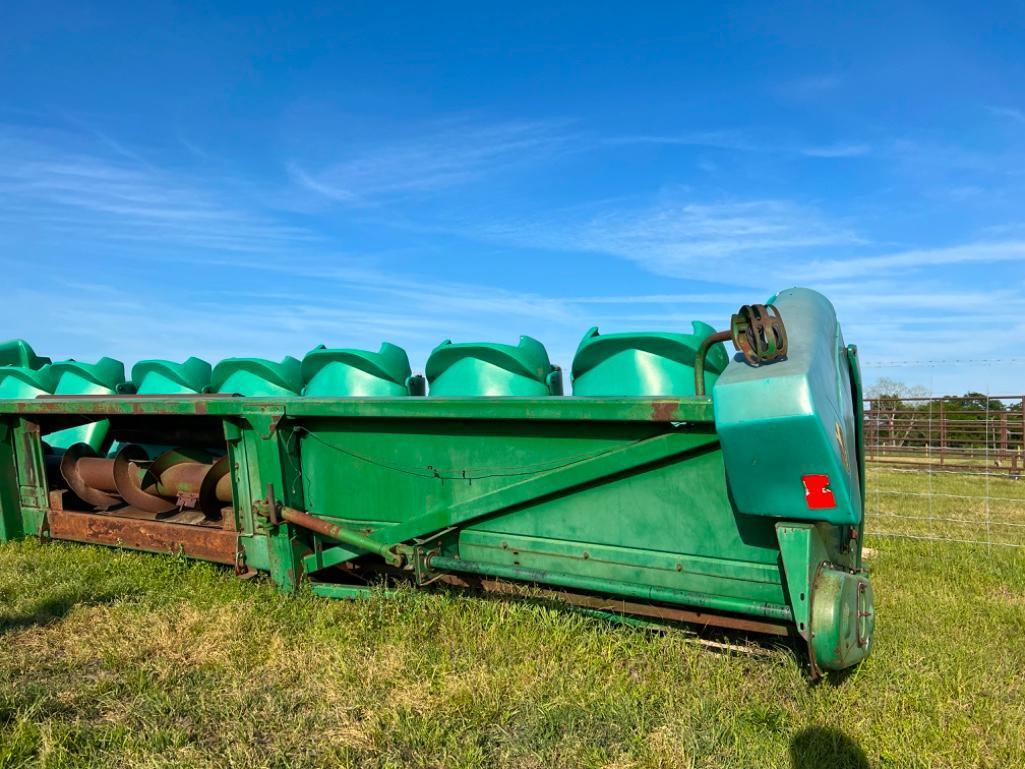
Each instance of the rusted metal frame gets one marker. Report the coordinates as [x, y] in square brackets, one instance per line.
[963, 469]
[757, 332]
[203, 542]
[702, 354]
[569, 408]
[619, 460]
[340, 534]
[943, 432]
[615, 605]
[1003, 452]
[718, 603]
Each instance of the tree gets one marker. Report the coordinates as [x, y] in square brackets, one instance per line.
[894, 410]
[895, 389]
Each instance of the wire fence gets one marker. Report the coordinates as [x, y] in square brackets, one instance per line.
[946, 468]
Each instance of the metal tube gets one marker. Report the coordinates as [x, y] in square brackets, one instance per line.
[182, 478]
[343, 535]
[97, 473]
[223, 489]
[702, 353]
[644, 592]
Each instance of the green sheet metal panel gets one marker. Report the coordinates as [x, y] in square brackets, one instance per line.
[18, 352]
[77, 378]
[487, 369]
[344, 372]
[644, 363]
[165, 377]
[257, 377]
[787, 428]
[669, 523]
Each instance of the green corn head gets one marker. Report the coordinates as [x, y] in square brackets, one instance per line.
[635, 495]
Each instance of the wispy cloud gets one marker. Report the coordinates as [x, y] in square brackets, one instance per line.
[691, 240]
[723, 139]
[852, 150]
[745, 141]
[991, 252]
[1008, 113]
[358, 308]
[124, 198]
[447, 155]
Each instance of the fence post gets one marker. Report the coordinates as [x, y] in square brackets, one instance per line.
[1002, 454]
[870, 417]
[943, 432]
[1023, 432]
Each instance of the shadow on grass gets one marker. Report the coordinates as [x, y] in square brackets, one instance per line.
[52, 609]
[819, 747]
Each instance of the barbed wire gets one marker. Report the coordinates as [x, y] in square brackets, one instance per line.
[939, 362]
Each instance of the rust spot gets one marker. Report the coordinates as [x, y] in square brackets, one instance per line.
[200, 407]
[616, 605]
[204, 542]
[664, 411]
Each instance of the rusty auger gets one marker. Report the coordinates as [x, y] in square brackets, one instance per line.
[758, 334]
[176, 481]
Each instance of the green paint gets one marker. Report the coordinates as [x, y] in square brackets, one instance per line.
[486, 369]
[573, 409]
[687, 501]
[644, 364]
[76, 378]
[644, 592]
[257, 378]
[359, 373]
[24, 382]
[842, 620]
[164, 377]
[18, 352]
[795, 417]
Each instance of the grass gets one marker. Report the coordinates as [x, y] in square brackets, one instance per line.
[120, 659]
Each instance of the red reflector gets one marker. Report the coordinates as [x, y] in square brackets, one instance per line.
[817, 493]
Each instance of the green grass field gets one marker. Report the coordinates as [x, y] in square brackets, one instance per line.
[119, 659]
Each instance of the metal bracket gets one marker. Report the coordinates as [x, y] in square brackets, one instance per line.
[422, 572]
[272, 428]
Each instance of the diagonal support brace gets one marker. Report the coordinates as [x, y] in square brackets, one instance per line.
[545, 483]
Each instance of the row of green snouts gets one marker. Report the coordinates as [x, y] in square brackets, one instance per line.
[642, 364]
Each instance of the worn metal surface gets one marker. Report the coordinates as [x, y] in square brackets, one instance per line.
[89, 476]
[699, 358]
[618, 605]
[548, 409]
[203, 542]
[215, 489]
[176, 480]
[340, 534]
[644, 592]
[759, 334]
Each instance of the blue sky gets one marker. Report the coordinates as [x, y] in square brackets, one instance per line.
[255, 180]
